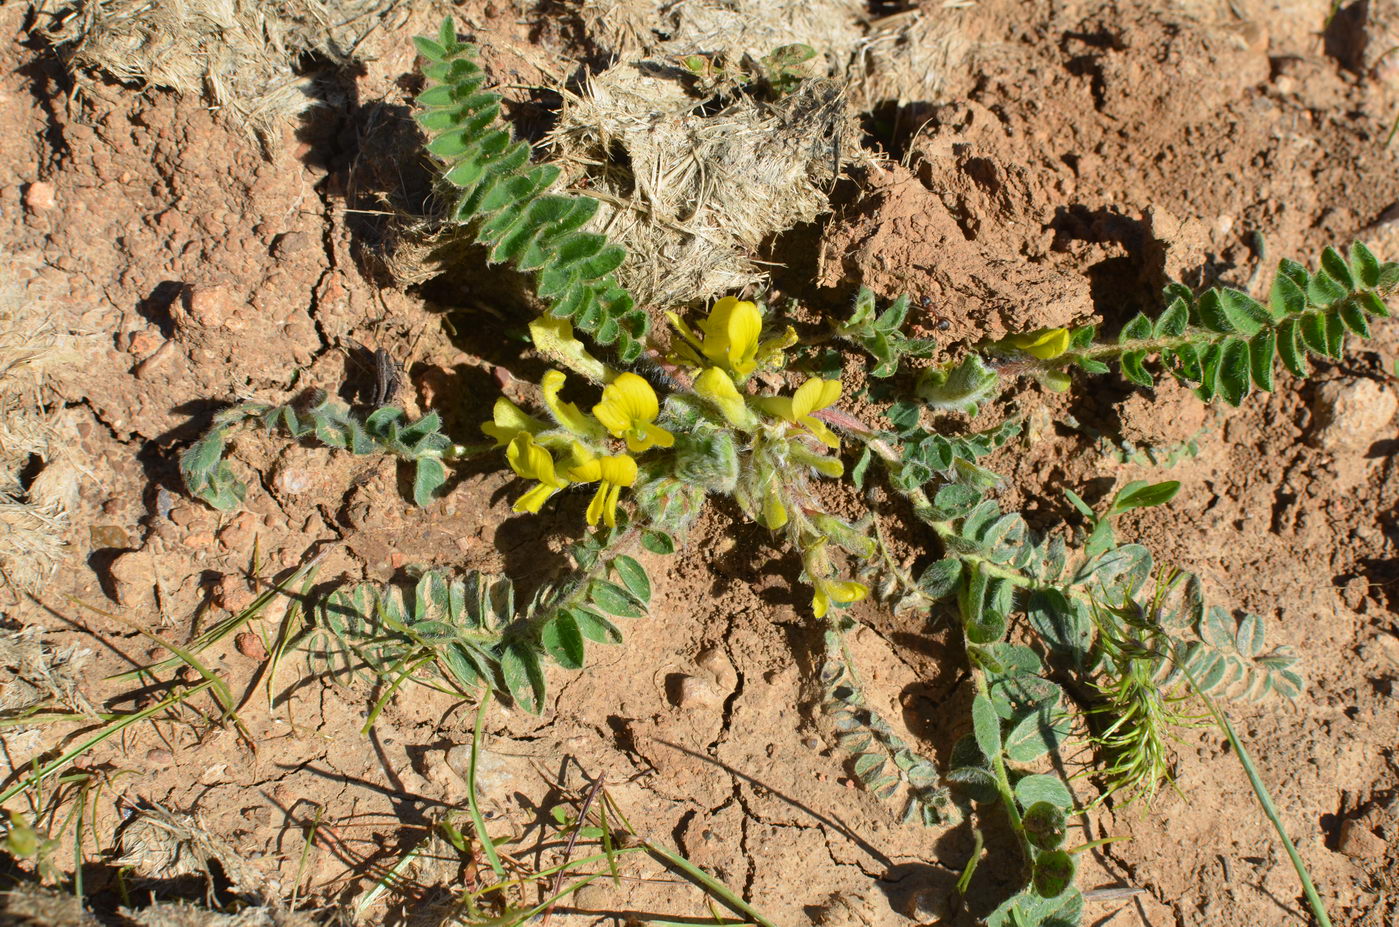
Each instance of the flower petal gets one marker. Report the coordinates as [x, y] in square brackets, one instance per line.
[508, 420]
[716, 386]
[565, 413]
[534, 499]
[532, 462]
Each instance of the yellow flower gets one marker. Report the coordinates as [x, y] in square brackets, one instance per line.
[812, 396]
[533, 462]
[716, 386]
[731, 335]
[565, 413]
[611, 473]
[1045, 344]
[554, 339]
[509, 420]
[839, 591]
[628, 410]
[730, 339]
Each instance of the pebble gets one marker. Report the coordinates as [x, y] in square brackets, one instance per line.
[716, 663]
[133, 577]
[40, 196]
[210, 306]
[159, 756]
[143, 342]
[238, 534]
[232, 593]
[1351, 415]
[292, 480]
[691, 692]
[250, 646]
[157, 360]
[1359, 842]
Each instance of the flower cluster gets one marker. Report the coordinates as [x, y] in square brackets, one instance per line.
[781, 437]
[576, 447]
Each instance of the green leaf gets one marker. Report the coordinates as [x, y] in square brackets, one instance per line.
[1137, 329]
[940, 579]
[1245, 314]
[1134, 370]
[1172, 322]
[1064, 627]
[986, 726]
[1313, 332]
[1289, 347]
[1234, 371]
[1323, 290]
[594, 627]
[977, 781]
[1139, 494]
[1354, 318]
[1036, 734]
[1364, 265]
[562, 640]
[658, 542]
[428, 477]
[1045, 825]
[1040, 788]
[1249, 639]
[633, 577]
[1337, 268]
[1212, 315]
[1286, 298]
[1294, 272]
[523, 676]
[613, 599]
[1054, 873]
[1261, 351]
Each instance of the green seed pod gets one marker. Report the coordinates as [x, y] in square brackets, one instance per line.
[709, 460]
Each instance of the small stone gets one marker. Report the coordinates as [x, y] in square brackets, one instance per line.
[199, 540]
[250, 646]
[210, 306]
[1359, 842]
[238, 534]
[232, 593]
[143, 342]
[716, 663]
[40, 197]
[108, 536]
[291, 481]
[691, 692]
[133, 578]
[158, 359]
[159, 756]
[1351, 415]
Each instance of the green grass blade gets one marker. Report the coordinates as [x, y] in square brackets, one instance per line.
[37, 777]
[487, 846]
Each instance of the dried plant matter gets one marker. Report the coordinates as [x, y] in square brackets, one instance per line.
[32, 672]
[33, 515]
[162, 844]
[692, 196]
[240, 54]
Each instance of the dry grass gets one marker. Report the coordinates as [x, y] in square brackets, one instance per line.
[39, 472]
[240, 55]
[692, 197]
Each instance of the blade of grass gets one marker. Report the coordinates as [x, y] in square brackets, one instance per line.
[1265, 801]
[36, 778]
[487, 846]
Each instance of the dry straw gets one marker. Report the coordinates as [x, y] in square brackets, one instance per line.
[241, 55]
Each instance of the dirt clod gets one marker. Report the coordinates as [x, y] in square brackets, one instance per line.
[1359, 842]
[1351, 415]
[40, 197]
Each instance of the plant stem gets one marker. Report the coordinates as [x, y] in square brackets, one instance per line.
[1266, 802]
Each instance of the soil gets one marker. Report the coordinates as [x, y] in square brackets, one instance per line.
[1078, 155]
